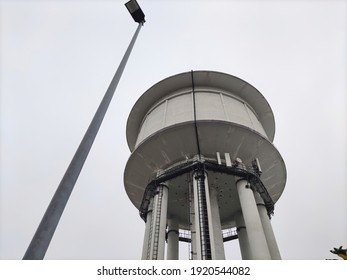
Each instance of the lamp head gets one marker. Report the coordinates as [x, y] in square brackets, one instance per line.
[135, 11]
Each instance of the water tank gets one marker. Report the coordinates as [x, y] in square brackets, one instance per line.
[204, 113]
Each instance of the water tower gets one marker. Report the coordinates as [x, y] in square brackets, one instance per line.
[203, 168]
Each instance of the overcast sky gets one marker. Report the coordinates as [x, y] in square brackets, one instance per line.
[58, 57]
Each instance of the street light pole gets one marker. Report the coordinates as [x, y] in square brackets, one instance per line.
[44, 233]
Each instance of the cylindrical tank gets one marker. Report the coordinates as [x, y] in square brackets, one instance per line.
[201, 112]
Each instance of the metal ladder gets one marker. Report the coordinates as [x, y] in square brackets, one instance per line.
[157, 222]
[203, 216]
[150, 237]
[190, 214]
[155, 225]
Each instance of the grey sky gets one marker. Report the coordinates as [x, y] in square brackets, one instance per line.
[58, 57]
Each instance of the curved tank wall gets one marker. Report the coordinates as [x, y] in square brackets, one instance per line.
[178, 107]
[230, 116]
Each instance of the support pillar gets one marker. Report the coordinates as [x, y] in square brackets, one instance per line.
[207, 239]
[255, 232]
[146, 239]
[215, 228]
[172, 239]
[157, 232]
[268, 231]
[243, 237]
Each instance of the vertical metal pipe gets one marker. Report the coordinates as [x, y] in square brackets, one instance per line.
[44, 233]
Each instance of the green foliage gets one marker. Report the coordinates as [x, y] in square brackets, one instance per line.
[340, 252]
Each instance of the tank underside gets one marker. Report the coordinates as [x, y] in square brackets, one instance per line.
[178, 143]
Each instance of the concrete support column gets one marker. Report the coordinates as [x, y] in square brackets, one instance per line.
[269, 234]
[243, 237]
[215, 228]
[255, 232]
[146, 239]
[172, 239]
[158, 224]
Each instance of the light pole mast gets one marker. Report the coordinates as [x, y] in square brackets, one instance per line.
[44, 233]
